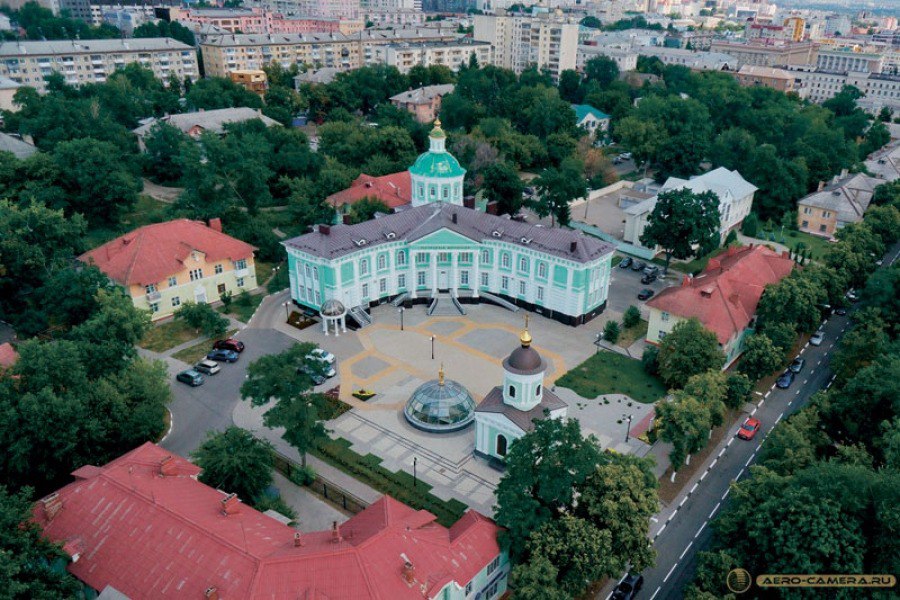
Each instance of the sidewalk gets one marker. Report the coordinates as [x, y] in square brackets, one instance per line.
[250, 418]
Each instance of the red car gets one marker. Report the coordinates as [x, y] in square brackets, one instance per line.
[229, 344]
[749, 428]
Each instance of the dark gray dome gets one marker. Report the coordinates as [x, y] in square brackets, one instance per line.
[440, 406]
[332, 308]
[524, 360]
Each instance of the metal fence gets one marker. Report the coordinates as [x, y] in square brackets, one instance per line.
[330, 491]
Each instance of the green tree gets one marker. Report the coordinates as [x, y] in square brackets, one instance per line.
[601, 69]
[731, 148]
[203, 318]
[579, 550]
[570, 86]
[711, 389]
[558, 187]
[738, 388]
[761, 357]
[536, 580]
[236, 462]
[216, 92]
[792, 445]
[543, 471]
[366, 208]
[877, 136]
[795, 300]
[687, 350]
[165, 29]
[502, 184]
[684, 422]
[631, 317]
[281, 378]
[611, 332]
[884, 221]
[26, 556]
[684, 223]
[163, 149]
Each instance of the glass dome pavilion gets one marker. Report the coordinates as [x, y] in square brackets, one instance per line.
[440, 406]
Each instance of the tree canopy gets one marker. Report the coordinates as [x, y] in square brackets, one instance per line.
[683, 223]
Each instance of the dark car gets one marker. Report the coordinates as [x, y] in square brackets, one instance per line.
[628, 587]
[626, 262]
[645, 294]
[797, 365]
[229, 344]
[785, 380]
[190, 377]
[648, 278]
[638, 265]
[223, 355]
[840, 311]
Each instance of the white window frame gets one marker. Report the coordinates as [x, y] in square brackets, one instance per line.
[218, 269]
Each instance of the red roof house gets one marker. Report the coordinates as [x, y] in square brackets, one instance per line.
[8, 356]
[724, 297]
[394, 190]
[146, 527]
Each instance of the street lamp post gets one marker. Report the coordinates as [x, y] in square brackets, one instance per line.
[628, 430]
[400, 310]
[432, 347]
[415, 477]
[287, 310]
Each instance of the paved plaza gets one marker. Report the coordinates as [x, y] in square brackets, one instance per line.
[392, 363]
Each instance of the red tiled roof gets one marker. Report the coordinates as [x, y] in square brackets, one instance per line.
[394, 190]
[151, 253]
[8, 355]
[150, 535]
[724, 297]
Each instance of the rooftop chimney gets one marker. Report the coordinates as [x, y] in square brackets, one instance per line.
[821, 186]
[168, 466]
[51, 505]
[409, 573]
[325, 229]
[298, 539]
[573, 245]
[713, 264]
[453, 218]
[231, 505]
[686, 282]
[335, 533]
[211, 593]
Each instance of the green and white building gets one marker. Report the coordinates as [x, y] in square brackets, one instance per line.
[438, 245]
[508, 412]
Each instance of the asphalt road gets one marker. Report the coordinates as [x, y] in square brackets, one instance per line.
[687, 531]
[625, 284]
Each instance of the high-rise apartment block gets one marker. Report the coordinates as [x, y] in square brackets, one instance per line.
[547, 41]
[92, 61]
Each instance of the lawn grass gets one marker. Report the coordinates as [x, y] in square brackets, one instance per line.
[399, 484]
[816, 244]
[194, 353]
[617, 259]
[633, 176]
[612, 373]
[632, 334]
[264, 271]
[279, 282]
[166, 336]
[242, 306]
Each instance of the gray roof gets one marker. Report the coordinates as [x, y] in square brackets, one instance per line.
[415, 223]
[19, 148]
[493, 403]
[323, 76]
[423, 95]
[210, 120]
[848, 197]
[10, 49]
[8, 84]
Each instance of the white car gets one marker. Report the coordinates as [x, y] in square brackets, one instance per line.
[207, 367]
[817, 338]
[321, 354]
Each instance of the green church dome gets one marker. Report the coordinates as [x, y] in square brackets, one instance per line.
[437, 164]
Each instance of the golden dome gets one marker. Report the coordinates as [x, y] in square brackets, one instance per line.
[525, 337]
[441, 375]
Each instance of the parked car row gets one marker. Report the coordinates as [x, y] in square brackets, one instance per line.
[649, 274]
[227, 350]
[325, 370]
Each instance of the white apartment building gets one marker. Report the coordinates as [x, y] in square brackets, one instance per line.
[376, 5]
[92, 61]
[547, 41]
[838, 61]
[451, 54]
[401, 16]
[879, 89]
[331, 9]
[626, 59]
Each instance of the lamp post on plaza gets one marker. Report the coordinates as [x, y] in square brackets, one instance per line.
[432, 347]
[400, 310]
[287, 310]
[415, 477]
[628, 430]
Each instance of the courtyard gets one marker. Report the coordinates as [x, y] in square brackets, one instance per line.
[392, 362]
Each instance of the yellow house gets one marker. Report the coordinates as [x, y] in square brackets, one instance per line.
[167, 264]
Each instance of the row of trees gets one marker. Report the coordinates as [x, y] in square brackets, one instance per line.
[823, 496]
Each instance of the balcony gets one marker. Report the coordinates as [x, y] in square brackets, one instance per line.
[153, 296]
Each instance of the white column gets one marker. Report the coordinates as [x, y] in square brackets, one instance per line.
[434, 274]
[412, 280]
[454, 274]
[475, 285]
[325, 324]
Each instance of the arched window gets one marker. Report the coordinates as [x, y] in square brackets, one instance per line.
[504, 260]
[501, 444]
[512, 391]
[382, 262]
[537, 391]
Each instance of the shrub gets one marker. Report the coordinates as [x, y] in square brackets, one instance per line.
[731, 237]
[203, 318]
[751, 225]
[611, 331]
[277, 504]
[631, 317]
[226, 298]
[650, 360]
[302, 475]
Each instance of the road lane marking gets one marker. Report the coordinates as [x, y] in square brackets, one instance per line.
[767, 394]
[818, 363]
[658, 533]
[729, 442]
[805, 381]
[712, 464]
[779, 418]
[704, 475]
[811, 373]
[749, 460]
[718, 504]
[798, 393]
[655, 593]
[721, 452]
[683, 500]
[669, 574]
[686, 548]
[741, 472]
[701, 529]
[693, 488]
[728, 491]
[790, 402]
